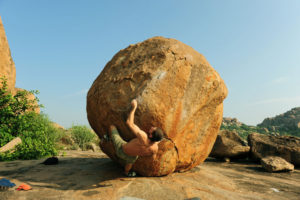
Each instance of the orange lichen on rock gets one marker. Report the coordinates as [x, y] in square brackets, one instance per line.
[176, 89]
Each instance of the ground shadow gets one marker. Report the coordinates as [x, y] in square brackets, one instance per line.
[69, 174]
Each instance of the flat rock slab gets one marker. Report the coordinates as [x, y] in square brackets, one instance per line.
[276, 164]
[88, 175]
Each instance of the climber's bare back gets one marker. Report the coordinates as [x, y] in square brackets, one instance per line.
[137, 148]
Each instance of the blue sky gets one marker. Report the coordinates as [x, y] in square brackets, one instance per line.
[60, 46]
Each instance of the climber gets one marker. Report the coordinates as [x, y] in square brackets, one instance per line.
[144, 144]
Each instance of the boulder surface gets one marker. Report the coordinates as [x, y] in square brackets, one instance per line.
[7, 66]
[176, 89]
[287, 147]
[229, 145]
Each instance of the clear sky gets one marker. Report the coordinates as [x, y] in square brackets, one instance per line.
[60, 46]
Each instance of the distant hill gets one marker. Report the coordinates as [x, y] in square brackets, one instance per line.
[287, 123]
[242, 129]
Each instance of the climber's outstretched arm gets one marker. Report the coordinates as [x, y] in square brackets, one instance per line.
[140, 134]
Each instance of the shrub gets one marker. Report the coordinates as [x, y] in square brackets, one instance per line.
[17, 120]
[38, 138]
[82, 135]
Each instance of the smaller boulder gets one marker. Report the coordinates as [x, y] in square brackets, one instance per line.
[229, 145]
[276, 164]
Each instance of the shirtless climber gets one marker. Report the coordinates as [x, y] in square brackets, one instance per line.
[144, 144]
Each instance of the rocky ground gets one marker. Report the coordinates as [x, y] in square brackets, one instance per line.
[90, 175]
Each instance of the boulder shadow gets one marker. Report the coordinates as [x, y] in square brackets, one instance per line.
[231, 160]
[256, 168]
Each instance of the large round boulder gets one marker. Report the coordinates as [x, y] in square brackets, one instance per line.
[176, 89]
[7, 66]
